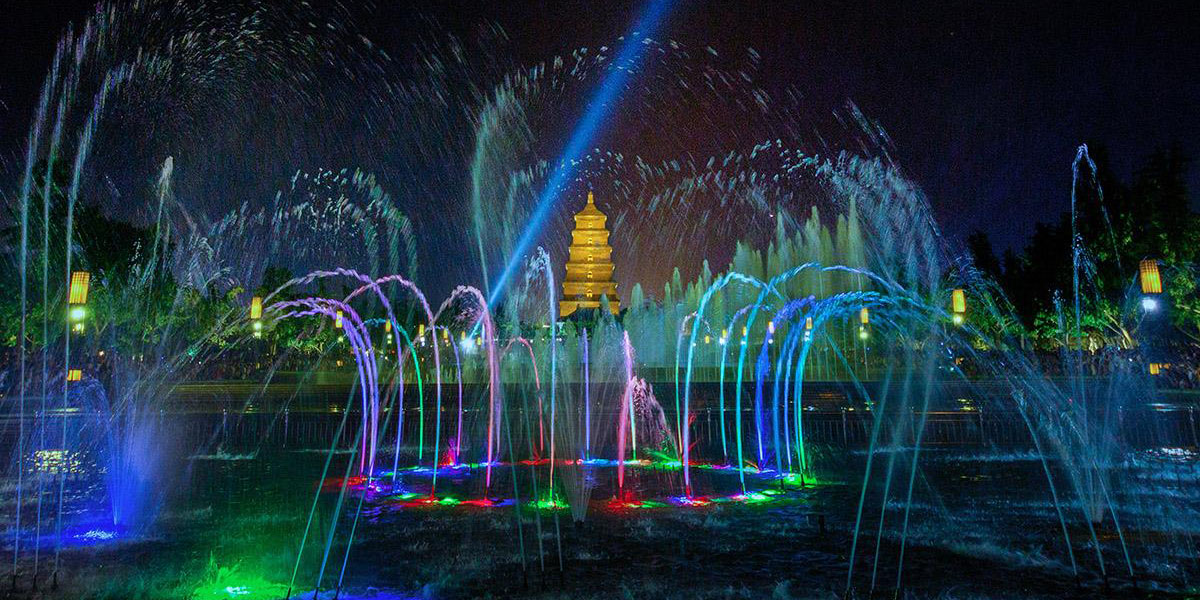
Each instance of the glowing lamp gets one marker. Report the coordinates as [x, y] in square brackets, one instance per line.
[864, 316]
[808, 323]
[256, 307]
[74, 375]
[1149, 303]
[1150, 277]
[958, 302]
[421, 330]
[337, 321]
[745, 331]
[771, 327]
[387, 326]
[724, 333]
[78, 292]
[77, 313]
[863, 334]
[708, 339]
[1155, 368]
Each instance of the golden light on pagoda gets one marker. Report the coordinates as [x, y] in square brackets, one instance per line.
[1149, 276]
[256, 307]
[589, 264]
[78, 291]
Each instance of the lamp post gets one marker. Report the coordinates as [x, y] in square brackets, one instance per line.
[77, 296]
[256, 315]
[1151, 281]
[958, 306]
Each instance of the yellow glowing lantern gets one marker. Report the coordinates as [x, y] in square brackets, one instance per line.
[808, 323]
[1149, 276]
[864, 316]
[74, 375]
[707, 339]
[387, 326]
[79, 287]
[958, 306]
[958, 301]
[256, 307]
[421, 330]
[337, 321]
[745, 331]
[771, 327]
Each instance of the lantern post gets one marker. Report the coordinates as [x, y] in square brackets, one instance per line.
[958, 306]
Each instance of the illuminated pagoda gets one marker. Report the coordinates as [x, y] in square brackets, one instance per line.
[589, 265]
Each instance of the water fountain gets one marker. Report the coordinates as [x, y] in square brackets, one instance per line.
[812, 375]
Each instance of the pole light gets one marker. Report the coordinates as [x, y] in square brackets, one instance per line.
[958, 306]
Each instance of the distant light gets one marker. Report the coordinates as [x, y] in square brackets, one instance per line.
[78, 293]
[958, 302]
[864, 316]
[1150, 278]
[957, 319]
[723, 341]
[771, 326]
[467, 344]
[74, 375]
[708, 339]
[862, 333]
[78, 313]
[337, 321]
[1149, 303]
[256, 307]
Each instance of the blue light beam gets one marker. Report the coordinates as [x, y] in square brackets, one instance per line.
[597, 112]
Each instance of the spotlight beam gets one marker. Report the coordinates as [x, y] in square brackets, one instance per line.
[597, 111]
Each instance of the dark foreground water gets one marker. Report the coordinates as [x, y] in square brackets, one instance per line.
[981, 523]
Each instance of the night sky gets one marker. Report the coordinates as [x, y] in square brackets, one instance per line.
[984, 102]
